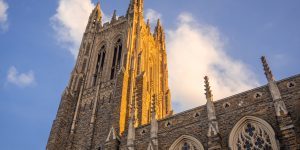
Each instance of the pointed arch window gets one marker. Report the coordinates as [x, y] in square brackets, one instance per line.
[116, 59]
[100, 63]
[186, 142]
[252, 133]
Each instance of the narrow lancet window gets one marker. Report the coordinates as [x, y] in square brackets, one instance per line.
[116, 59]
[100, 64]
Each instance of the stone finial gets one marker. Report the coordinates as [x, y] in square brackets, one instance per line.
[159, 32]
[114, 17]
[267, 69]
[98, 4]
[209, 104]
[158, 22]
[97, 9]
[148, 25]
[280, 106]
[208, 91]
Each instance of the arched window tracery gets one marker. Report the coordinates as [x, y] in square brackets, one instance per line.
[186, 142]
[116, 58]
[252, 133]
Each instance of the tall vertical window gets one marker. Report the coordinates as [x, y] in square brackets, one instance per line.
[116, 59]
[100, 63]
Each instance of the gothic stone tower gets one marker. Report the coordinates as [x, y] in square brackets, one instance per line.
[120, 64]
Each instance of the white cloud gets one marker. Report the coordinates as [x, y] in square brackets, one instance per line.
[3, 15]
[20, 79]
[152, 15]
[70, 21]
[196, 50]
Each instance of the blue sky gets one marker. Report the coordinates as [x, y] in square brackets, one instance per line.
[226, 39]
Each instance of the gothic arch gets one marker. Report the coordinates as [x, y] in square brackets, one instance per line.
[118, 50]
[186, 140]
[101, 44]
[116, 37]
[252, 132]
[99, 61]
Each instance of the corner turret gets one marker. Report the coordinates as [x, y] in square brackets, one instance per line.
[159, 35]
[95, 19]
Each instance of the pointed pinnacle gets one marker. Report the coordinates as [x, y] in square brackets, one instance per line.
[98, 7]
[114, 17]
[267, 69]
[148, 22]
[158, 22]
[208, 92]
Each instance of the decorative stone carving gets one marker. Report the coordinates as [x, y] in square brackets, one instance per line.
[291, 84]
[252, 133]
[280, 108]
[226, 105]
[213, 128]
[258, 95]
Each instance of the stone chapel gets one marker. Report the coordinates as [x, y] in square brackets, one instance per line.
[118, 98]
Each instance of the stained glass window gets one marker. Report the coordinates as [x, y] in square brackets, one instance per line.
[116, 59]
[253, 137]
